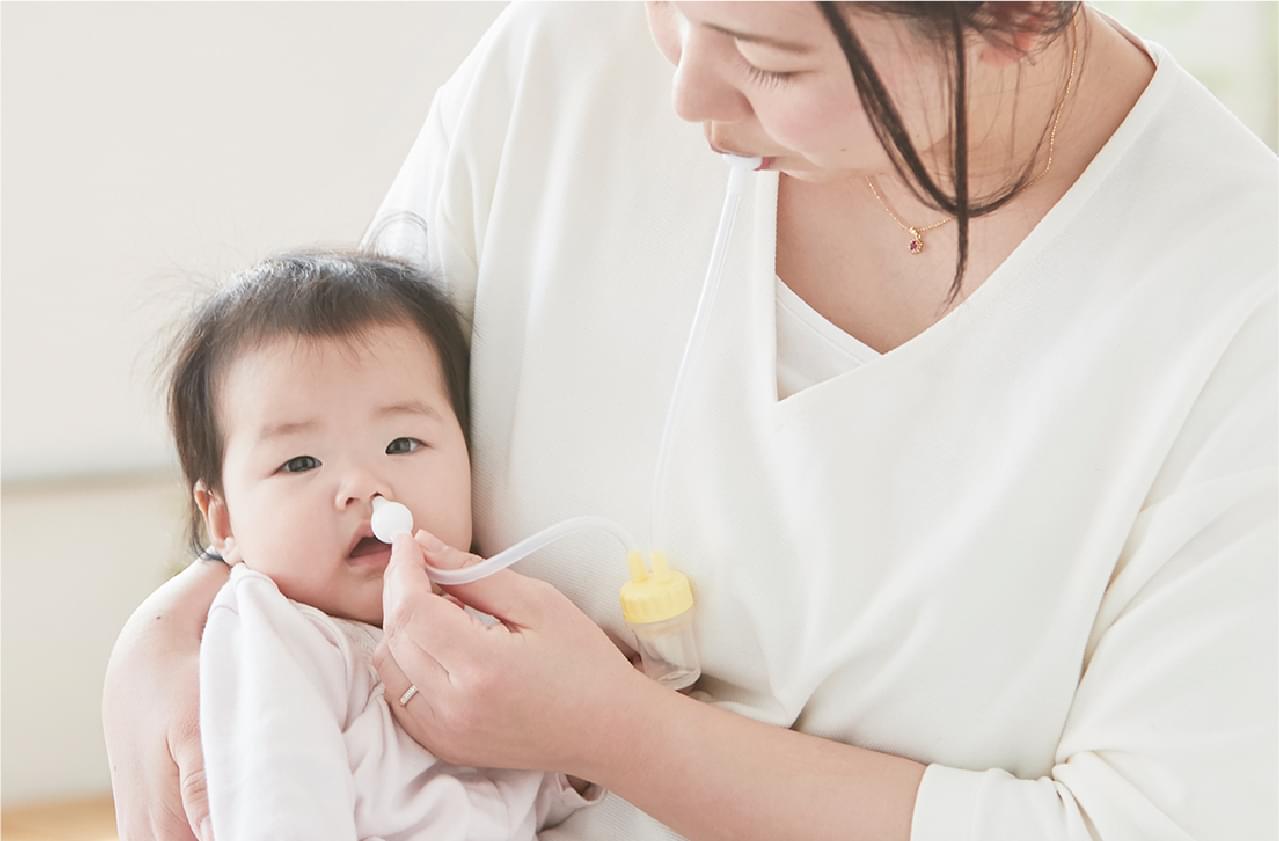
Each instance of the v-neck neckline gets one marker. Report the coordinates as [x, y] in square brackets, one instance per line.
[1008, 278]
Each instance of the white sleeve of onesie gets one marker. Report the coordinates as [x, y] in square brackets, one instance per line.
[272, 702]
[1172, 733]
[557, 799]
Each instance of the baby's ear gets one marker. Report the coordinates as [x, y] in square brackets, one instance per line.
[217, 518]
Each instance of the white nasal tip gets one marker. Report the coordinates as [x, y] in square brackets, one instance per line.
[390, 519]
[741, 162]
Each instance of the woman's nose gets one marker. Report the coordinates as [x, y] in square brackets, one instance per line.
[701, 92]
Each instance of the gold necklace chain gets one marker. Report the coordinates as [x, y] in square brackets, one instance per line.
[916, 232]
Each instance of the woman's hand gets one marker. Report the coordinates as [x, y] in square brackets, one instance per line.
[536, 690]
[150, 712]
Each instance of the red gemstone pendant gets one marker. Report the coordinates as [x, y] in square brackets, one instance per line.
[916, 241]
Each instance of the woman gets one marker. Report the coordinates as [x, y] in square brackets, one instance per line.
[973, 474]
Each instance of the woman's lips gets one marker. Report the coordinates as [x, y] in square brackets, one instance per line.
[765, 162]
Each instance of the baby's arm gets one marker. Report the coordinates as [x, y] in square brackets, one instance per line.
[272, 706]
[534, 800]
[561, 796]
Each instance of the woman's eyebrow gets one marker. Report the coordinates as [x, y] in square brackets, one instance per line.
[766, 40]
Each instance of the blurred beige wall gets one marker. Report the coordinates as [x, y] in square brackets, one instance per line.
[78, 557]
[144, 145]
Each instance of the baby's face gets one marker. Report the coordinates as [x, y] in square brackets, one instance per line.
[314, 429]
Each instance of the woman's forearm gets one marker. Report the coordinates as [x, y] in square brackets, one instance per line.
[150, 709]
[710, 774]
[165, 626]
[179, 606]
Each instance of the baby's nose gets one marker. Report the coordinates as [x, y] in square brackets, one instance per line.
[358, 487]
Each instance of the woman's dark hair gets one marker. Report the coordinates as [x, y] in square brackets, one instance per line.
[944, 24]
[306, 294]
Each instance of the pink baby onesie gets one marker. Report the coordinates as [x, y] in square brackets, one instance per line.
[299, 742]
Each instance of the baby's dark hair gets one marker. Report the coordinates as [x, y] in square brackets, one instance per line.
[306, 294]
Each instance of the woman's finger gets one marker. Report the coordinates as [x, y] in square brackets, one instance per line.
[194, 790]
[446, 557]
[424, 632]
[517, 600]
[399, 655]
[183, 741]
[396, 683]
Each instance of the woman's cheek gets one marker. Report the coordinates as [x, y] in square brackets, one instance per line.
[799, 124]
[829, 130]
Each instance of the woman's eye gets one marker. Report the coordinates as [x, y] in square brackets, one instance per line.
[768, 78]
[403, 445]
[300, 464]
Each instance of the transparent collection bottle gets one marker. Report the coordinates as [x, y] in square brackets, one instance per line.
[658, 608]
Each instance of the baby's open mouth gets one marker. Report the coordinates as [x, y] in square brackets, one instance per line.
[368, 546]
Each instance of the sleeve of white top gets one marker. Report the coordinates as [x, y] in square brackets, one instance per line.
[1172, 733]
[272, 702]
[437, 208]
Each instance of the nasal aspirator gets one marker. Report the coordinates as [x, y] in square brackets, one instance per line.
[390, 519]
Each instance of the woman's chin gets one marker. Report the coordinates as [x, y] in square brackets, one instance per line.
[802, 170]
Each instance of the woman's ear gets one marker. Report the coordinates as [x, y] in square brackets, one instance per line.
[1022, 24]
[217, 517]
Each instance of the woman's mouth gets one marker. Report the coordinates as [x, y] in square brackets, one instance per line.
[764, 162]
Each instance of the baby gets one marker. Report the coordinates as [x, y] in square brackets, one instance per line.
[311, 384]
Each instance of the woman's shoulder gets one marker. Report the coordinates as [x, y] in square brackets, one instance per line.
[1179, 205]
[554, 67]
[572, 32]
[1202, 179]
[577, 46]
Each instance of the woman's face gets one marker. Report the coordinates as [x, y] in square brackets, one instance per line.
[769, 79]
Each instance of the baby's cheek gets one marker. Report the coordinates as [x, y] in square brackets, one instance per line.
[448, 527]
[292, 564]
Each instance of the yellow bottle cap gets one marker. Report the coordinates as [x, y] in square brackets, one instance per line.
[654, 596]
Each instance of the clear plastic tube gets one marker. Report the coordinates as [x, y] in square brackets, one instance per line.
[528, 546]
[738, 169]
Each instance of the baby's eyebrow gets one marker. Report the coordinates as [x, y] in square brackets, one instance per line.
[411, 407]
[285, 428]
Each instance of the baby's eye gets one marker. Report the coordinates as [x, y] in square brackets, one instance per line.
[403, 445]
[300, 464]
